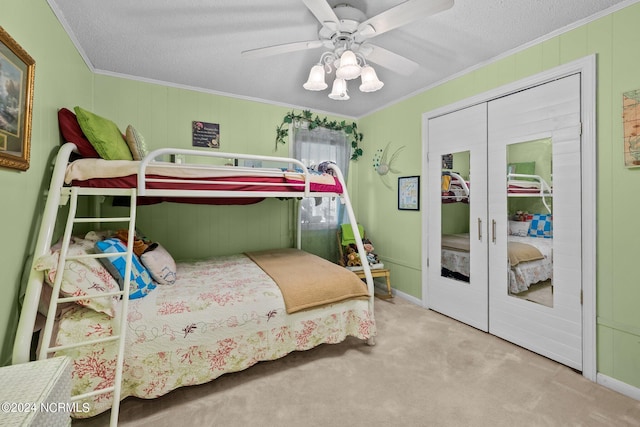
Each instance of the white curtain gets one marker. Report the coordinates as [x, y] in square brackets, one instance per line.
[321, 217]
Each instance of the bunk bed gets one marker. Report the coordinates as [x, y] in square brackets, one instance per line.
[531, 240]
[528, 185]
[454, 188]
[529, 247]
[219, 315]
[455, 247]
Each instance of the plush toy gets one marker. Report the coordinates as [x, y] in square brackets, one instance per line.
[353, 258]
[368, 247]
[140, 246]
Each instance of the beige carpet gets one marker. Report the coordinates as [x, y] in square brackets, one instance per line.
[541, 293]
[426, 370]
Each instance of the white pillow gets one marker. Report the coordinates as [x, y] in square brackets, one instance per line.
[160, 264]
[519, 228]
[83, 276]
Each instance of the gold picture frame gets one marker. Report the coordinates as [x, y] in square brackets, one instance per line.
[630, 122]
[17, 71]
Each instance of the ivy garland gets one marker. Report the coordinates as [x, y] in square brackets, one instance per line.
[351, 130]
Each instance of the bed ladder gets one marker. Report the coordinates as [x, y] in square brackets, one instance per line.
[121, 313]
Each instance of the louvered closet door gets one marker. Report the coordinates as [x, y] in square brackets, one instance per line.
[538, 131]
[457, 240]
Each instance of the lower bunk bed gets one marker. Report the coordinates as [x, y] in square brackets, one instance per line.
[530, 260]
[221, 315]
[129, 336]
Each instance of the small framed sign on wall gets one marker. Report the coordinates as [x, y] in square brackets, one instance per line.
[409, 193]
[205, 134]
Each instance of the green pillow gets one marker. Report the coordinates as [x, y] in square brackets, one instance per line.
[103, 135]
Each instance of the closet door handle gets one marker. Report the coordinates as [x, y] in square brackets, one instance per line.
[493, 230]
[479, 229]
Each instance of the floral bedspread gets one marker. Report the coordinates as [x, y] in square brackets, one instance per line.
[520, 276]
[221, 315]
[527, 273]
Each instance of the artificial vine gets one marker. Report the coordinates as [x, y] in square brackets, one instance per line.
[351, 130]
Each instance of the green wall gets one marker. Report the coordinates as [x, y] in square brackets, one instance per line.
[615, 39]
[163, 115]
[61, 78]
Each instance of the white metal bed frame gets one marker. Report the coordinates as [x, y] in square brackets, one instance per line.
[457, 179]
[544, 192]
[60, 195]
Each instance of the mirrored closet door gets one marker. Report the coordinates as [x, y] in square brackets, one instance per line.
[504, 229]
[457, 212]
[535, 207]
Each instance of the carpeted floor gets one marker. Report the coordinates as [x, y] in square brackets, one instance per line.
[541, 293]
[426, 370]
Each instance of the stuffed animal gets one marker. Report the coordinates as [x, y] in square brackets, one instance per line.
[353, 258]
[368, 247]
[140, 246]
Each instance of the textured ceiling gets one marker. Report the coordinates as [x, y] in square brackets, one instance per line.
[198, 43]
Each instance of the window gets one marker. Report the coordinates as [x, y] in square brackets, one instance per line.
[313, 147]
[321, 217]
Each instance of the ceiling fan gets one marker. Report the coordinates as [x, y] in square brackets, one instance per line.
[346, 27]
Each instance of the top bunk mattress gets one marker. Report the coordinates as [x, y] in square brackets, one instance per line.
[99, 173]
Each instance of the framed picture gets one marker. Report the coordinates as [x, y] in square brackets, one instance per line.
[409, 193]
[447, 161]
[630, 122]
[205, 134]
[17, 70]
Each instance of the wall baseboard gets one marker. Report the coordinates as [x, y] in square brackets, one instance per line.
[407, 297]
[619, 386]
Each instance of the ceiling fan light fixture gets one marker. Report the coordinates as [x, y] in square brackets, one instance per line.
[349, 68]
[316, 79]
[370, 81]
[339, 90]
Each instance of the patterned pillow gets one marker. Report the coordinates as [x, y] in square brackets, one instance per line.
[160, 264]
[136, 143]
[140, 282]
[541, 226]
[84, 276]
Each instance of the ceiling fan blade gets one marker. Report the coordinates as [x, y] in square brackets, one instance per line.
[263, 52]
[387, 59]
[400, 15]
[323, 13]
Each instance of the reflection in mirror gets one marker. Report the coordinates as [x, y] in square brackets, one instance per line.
[455, 202]
[530, 236]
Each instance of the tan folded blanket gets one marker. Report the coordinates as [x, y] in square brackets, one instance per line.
[456, 242]
[306, 280]
[521, 252]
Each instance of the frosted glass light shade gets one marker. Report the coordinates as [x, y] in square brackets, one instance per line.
[339, 90]
[370, 82]
[349, 68]
[316, 79]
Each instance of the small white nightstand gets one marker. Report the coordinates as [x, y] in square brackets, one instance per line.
[36, 393]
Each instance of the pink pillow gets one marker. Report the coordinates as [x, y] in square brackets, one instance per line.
[71, 132]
